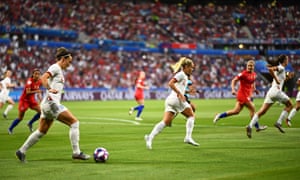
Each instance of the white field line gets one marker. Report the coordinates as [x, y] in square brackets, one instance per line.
[119, 121]
[108, 119]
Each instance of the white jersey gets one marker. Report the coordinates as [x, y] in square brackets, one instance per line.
[281, 75]
[275, 93]
[172, 103]
[181, 84]
[50, 106]
[56, 81]
[4, 89]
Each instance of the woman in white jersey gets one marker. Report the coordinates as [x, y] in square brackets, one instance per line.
[296, 107]
[53, 81]
[274, 94]
[175, 103]
[5, 86]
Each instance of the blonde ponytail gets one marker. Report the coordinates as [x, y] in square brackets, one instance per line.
[176, 67]
[183, 61]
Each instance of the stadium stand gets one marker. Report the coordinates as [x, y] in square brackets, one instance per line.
[120, 37]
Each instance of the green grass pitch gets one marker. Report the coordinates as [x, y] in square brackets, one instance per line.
[225, 152]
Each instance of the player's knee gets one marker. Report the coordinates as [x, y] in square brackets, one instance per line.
[75, 125]
[43, 131]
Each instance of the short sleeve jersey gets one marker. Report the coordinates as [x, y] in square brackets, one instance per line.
[139, 82]
[181, 83]
[280, 73]
[33, 86]
[247, 80]
[4, 90]
[56, 81]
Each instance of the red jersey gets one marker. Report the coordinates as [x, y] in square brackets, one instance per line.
[139, 92]
[28, 100]
[247, 80]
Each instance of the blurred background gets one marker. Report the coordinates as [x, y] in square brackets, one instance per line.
[112, 40]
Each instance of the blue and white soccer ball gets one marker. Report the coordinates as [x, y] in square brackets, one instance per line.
[101, 155]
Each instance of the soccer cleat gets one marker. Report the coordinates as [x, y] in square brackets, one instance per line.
[216, 118]
[10, 132]
[81, 156]
[278, 126]
[30, 127]
[130, 111]
[249, 131]
[288, 123]
[261, 128]
[21, 156]
[4, 116]
[138, 118]
[190, 141]
[148, 142]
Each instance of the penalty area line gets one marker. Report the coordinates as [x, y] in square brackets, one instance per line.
[108, 119]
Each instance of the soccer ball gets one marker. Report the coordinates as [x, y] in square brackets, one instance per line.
[101, 155]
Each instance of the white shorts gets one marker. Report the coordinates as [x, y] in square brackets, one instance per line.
[298, 96]
[4, 99]
[175, 105]
[274, 95]
[51, 109]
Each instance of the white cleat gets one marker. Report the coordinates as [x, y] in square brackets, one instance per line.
[191, 141]
[138, 119]
[216, 118]
[148, 142]
[261, 128]
[130, 111]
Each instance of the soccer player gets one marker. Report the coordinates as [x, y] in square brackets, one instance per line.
[51, 108]
[175, 103]
[296, 107]
[190, 89]
[243, 95]
[5, 86]
[27, 100]
[139, 95]
[274, 94]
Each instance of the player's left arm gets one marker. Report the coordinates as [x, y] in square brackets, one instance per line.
[192, 90]
[254, 88]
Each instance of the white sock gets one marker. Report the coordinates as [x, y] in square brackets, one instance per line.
[189, 127]
[253, 120]
[74, 137]
[282, 116]
[292, 114]
[157, 129]
[31, 140]
[8, 108]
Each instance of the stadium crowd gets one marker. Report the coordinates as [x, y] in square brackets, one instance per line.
[156, 22]
[149, 22]
[118, 69]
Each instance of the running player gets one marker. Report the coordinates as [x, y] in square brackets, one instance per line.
[176, 103]
[5, 86]
[139, 95]
[274, 94]
[28, 100]
[243, 95]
